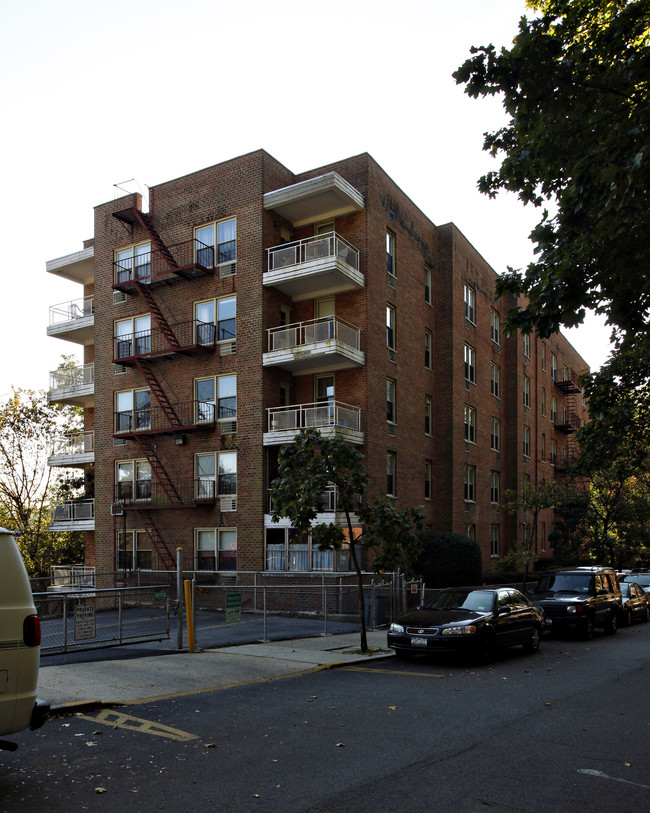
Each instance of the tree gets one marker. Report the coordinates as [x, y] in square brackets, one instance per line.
[575, 86]
[28, 428]
[312, 464]
[449, 560]
[533, 499]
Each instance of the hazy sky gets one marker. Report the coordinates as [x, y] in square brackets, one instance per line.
[94, 94]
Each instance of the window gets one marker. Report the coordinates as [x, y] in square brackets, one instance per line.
[391, 411]
[428, 342]
[428, 474]
[543, 353]
[215, 474]
[495, 435]
[391, 474]
[495, 487]
[553, 452]
[133, 481]
[288, 549]
[470, 532]
[428, 414]
[469, 299]
[215, 398]
[219, 312]
[543, 401]
[216, 548]
[428, 292]
[216, 243]
[470, 365]
[553, 409]
[390, 254]
[132, 410]
[553, 366]
[470, 484]
[495, 327]
[526, 345]
[526, 391]
[543, 446]
[495, 540]
[133, 263]
[495, 380]
[390, 327]
[133, 546]
[132, 337]
[526, 441]
[470, 424]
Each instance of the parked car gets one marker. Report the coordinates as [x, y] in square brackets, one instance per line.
[642, 579]
[20, 640]
[468, 619]
[635, 603]
[579, 599]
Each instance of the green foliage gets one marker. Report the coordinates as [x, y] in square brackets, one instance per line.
[28, 428]
[312, 464]
[575, 86]
[449, 560]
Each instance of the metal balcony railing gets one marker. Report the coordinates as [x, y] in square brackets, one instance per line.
[69, 311]
[330, 498]
[318, 415]
[73, 511]
[301, 334]
[189, 256]
[184, 415]
[70, 377]
[145, 493]
[73, 443]
[193, 334]
[313, 249]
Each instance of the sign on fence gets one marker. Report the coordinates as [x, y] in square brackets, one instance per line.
[85, 626]
[233, 608]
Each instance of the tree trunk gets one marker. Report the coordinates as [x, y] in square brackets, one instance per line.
[357, 568]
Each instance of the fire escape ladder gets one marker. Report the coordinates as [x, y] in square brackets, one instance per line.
[159, 472]
[159, 318]
[157, 540]
[159, 394]
[145, 221]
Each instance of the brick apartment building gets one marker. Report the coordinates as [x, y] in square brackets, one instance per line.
[250, 301]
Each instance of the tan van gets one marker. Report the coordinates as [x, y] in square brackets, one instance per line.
[20, 645]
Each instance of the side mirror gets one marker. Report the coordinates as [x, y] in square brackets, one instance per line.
[504, 611]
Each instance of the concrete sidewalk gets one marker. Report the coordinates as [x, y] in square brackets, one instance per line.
[119, 681]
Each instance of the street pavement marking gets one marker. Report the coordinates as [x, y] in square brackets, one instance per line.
[593, 772]
[391, 672]
[116, 719]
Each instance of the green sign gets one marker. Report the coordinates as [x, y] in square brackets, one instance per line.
[233, 608]
[160, 595]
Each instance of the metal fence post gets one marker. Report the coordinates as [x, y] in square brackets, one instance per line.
[65, 622]
[324, 606]
[266, 637]
[179, 593]
[120, 619]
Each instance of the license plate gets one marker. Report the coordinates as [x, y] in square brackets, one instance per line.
[549, 621]
[418, 641]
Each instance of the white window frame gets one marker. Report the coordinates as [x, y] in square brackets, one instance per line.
[495, 487]
[526, 391]
[470, 364]
[216, 226]
[495, 435]
[469, 303]
[526, 441]
[495, 380]
[470, 484]
[217, 537]
[470, 424]
[495, 327]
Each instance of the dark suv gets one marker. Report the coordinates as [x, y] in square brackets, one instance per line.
[579, 599]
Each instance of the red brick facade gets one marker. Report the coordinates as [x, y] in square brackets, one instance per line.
[420, 374]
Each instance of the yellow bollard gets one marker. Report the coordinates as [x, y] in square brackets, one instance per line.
[189, 615]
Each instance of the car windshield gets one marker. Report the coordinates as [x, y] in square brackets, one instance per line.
[480, 601]
[640, 578]
[566, 583]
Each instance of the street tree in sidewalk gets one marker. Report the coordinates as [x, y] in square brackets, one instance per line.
[28, 486]
[312, 464]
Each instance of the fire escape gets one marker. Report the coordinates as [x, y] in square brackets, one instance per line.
[568, 421]
[164, 266]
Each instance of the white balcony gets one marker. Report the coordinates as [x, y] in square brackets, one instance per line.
[318, 266]
[73, 385]
[315, 200]
[73, 321]
[77, 267]
[330, 418]
[72, 516]
[329, 514]
[309, 347]
[74, 449]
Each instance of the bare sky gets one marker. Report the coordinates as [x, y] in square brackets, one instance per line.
[93, 94]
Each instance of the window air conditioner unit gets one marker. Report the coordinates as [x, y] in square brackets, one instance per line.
[116, 510]
[228, 427]
[227, 348]
[227, 269]
[228, 503]
[119, 297]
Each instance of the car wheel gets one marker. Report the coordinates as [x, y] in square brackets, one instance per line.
[588, 629]
[404, 654]
[646, 616]
[611, 624]
[532, 644]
